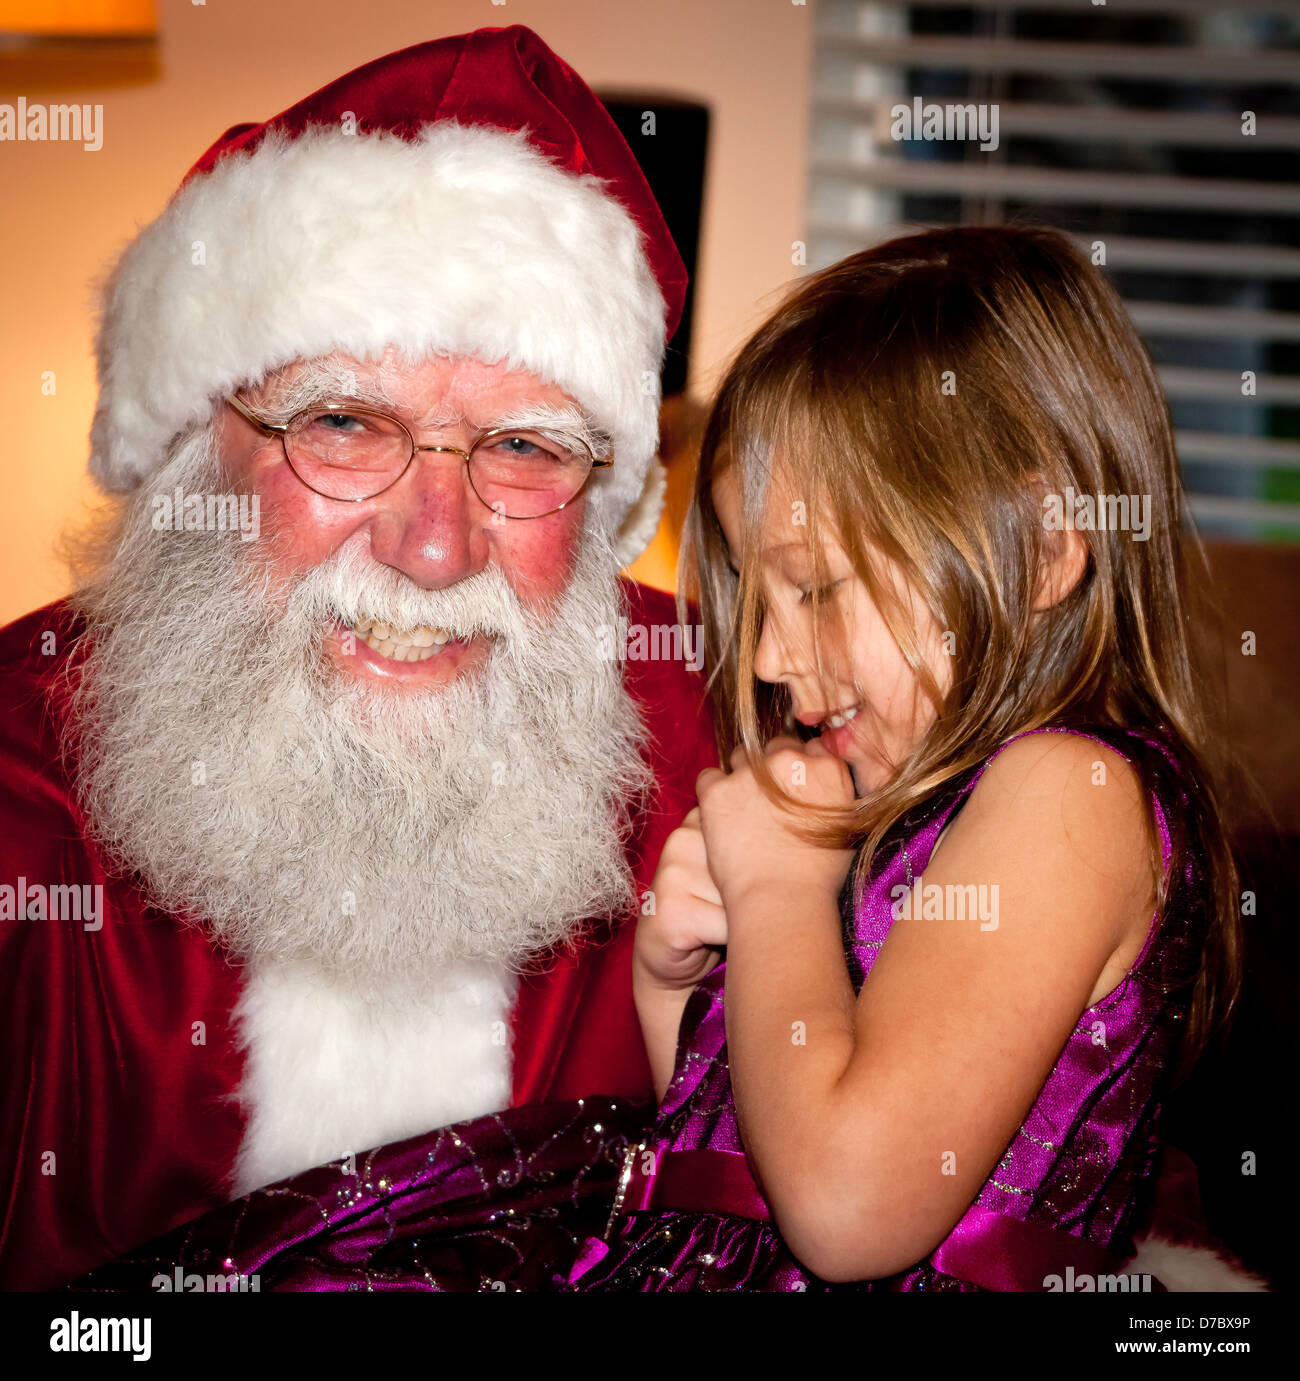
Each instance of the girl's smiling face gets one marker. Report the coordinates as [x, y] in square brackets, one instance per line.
[853, 682]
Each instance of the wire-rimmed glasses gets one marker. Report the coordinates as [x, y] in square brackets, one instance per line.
[353, 453]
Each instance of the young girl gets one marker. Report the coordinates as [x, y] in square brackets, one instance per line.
[967, 865]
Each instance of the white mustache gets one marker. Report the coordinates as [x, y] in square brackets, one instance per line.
[351, 587]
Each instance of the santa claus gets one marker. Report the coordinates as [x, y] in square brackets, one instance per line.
[327, 799]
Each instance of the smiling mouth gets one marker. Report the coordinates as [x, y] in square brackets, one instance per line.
[402, 644]
[839, 718]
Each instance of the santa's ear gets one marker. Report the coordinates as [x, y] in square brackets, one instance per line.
[1064, 551]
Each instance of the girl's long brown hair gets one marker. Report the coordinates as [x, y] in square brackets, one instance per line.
[923, 396]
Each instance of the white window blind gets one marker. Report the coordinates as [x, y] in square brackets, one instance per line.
[1122, 123]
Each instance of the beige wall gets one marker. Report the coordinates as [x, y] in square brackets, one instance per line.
[68, 213]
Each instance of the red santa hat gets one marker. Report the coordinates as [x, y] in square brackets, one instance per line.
[467, 196]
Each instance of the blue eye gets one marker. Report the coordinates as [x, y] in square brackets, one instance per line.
[336, 421]
[519, 446]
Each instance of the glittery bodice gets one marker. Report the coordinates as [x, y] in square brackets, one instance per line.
[1083, 1157]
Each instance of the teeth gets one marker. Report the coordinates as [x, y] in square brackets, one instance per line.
[838, 721]
[417, 645]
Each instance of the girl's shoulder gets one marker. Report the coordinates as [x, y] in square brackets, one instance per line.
[1083, 757]
[1141, 748]
[1032, 805]
[1141, 766]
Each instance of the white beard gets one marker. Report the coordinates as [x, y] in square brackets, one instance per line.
[388, 862]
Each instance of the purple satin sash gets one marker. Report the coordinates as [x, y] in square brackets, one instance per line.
[691, 1182]
[987, 1249]
[996, 1252]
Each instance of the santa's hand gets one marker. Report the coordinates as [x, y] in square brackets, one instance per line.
[679, 941]
[753, 842]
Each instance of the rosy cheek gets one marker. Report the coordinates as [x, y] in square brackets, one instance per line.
[305, 527]
[538, 554]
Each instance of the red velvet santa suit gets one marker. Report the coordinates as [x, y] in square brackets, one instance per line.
[117, 1116]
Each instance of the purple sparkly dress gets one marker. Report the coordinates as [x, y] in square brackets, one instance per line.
[498, 1203]
[1070, 1188]
[522, 1200]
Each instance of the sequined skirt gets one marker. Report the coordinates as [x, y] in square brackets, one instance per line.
[503, 1202]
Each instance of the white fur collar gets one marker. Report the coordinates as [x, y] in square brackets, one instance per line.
[327, 1074]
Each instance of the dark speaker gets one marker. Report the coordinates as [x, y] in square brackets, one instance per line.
[672, 148]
